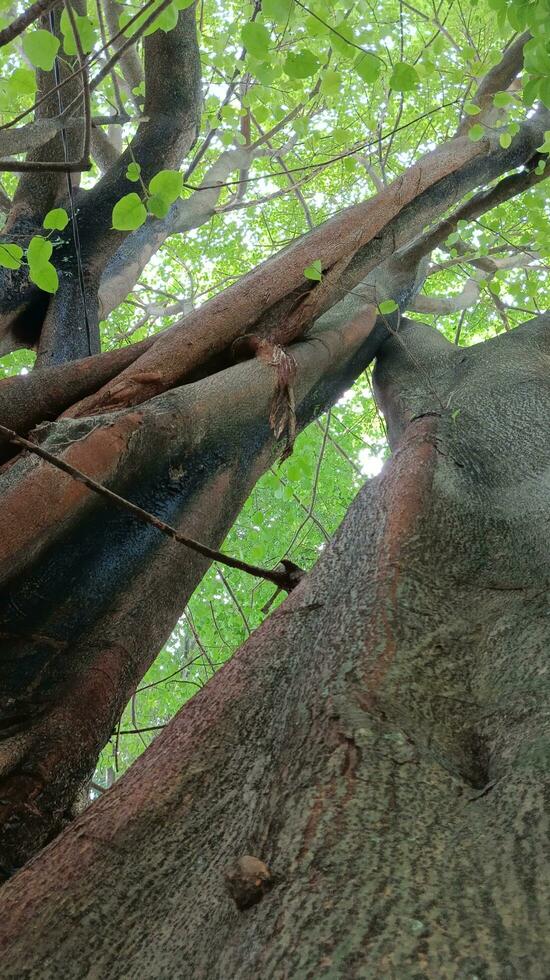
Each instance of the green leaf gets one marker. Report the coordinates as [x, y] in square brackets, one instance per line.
[502, 99]
[471, 109]
[166, 21]
[41, 48]
[45, 277]
[531, 90]
[404, 78]
[129, 213]
[167, 184]
[57, 218]
[331, 83]
[133, 171]
[300, 127]
[476, 132]
[41, 270]
[10, 255]
[39, 250]
[314, 27]
[266, 73]
[300, 64]
[387, 306]
[256, 39]
[158, 206]
[544, 91]
[86, 33]
[23, 81]
[314, 271]
[277, 10]
[505, 139]
[536, 57]
[368, 67]
[344, 41]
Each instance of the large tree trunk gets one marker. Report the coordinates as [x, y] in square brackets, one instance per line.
[380, 743]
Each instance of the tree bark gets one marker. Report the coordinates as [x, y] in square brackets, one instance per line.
[380, 744]
[76, 574]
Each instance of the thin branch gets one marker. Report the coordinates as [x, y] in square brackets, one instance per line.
[90, 59]
[164, 680]
[85, 82]
[480, 203]
[333, 30]
[323, 163]
[236, 602]
[139, 731]
[315, 484]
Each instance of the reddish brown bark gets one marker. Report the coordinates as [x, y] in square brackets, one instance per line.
[27, 400]
[241, 307]
[379, 744]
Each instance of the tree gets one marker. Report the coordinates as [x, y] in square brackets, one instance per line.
[360, 791]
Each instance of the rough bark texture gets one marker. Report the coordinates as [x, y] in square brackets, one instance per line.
[381, 742]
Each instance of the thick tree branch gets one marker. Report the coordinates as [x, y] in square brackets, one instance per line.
[497, 79]
[104, 152]
[126, 266]
[37, 193]
[469, 295]
[480, 203]
[348, 247]
[445, 305]
[171, 112]
[29, 399]
[213, 329]
[282, 578]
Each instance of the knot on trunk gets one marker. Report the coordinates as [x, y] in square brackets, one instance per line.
[247, 881]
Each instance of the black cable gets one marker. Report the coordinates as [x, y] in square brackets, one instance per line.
[70, 190]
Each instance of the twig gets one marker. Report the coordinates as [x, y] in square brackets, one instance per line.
[337, 33]
[236, 602]
[138, 731]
